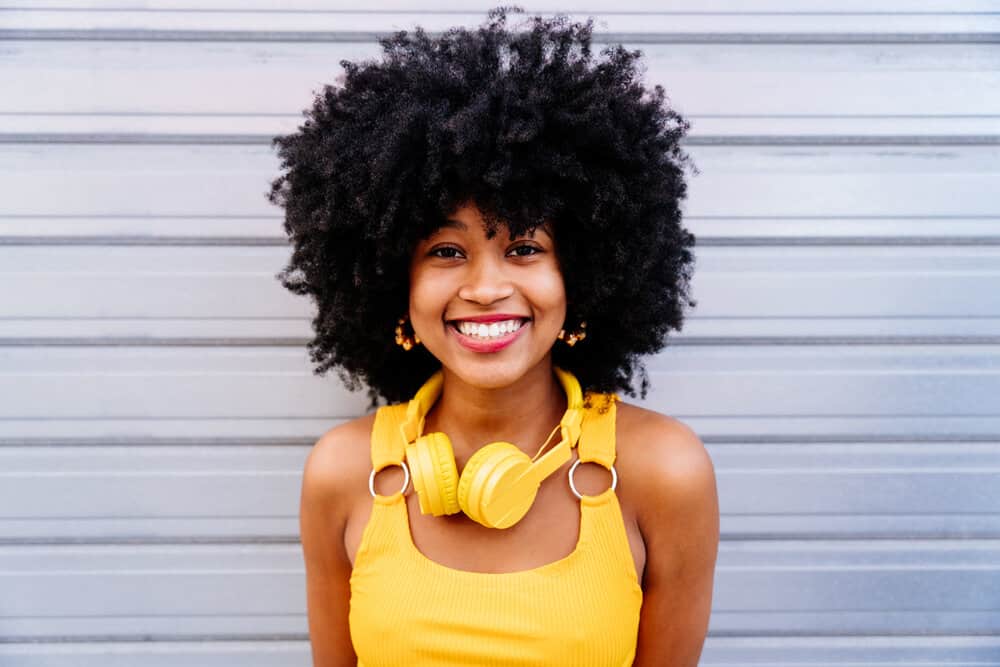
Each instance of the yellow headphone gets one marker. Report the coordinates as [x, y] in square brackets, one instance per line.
[499, 483]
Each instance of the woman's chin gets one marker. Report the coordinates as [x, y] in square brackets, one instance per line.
[495, 374]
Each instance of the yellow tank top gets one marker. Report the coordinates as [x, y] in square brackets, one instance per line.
[581, 610]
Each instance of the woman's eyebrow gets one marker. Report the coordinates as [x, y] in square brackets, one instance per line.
[449, 223]
[453, 223]
[540, 228]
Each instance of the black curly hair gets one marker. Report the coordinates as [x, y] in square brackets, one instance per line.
[526, 126]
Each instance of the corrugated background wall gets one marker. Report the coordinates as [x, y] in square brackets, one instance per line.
[157, 402]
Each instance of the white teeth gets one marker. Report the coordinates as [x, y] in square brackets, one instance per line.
[492, 330]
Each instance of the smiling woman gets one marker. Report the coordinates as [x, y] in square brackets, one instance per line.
[489, 222]
[525, 126]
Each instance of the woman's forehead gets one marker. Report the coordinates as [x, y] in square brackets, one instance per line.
[466, 225]
[469, 214]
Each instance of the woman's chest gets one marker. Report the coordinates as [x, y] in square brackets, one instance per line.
[549, 532]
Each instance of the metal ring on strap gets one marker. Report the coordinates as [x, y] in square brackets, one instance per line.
[614, 478]
[371, 479]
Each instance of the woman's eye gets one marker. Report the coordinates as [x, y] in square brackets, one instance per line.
[447, 252]
[525, 250]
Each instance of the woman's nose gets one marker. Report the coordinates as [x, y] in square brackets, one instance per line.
[486, 282]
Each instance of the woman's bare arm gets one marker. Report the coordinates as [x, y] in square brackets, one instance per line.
[679, 521]
[323, 512]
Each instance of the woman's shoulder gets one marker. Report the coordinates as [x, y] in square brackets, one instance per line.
[662, 459]
[339, 462]
[635, 423]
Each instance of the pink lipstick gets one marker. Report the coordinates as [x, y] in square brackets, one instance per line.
[486, 346]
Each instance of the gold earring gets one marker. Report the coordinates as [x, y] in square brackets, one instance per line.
[404, 340]
[575, 337]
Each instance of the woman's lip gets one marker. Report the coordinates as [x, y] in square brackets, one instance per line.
[486, 345]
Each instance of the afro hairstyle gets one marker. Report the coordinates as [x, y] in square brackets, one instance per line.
[526, 125]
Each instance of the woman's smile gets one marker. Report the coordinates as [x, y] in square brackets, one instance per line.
[479, 336]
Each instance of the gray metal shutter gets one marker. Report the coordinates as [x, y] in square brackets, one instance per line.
[842, 364]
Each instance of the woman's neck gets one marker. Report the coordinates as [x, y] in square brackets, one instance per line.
[523, 413]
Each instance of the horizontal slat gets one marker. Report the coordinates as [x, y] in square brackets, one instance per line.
[698, 6]
[134, 488]
[296, 331]
[718, 652]
[711, 231]
[230, 492]
[867, 286]
[855, 651]
[831, 230]
[228, 128]
[768, 383]
[234, 262]
[156, 592]
[159, 654]
[113, 430]
[809, 428]
[615, 21]
[130, 383]
[836, 587]
[157, 528]
[259, 230]
[273, 82]
[764, 391]
[845, 37]
[240, 115]
[752, 181]
[276, 331]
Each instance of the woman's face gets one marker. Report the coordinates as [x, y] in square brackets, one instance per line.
[488, 309]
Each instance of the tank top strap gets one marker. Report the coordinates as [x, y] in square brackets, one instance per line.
[597, 432]
[388, 443]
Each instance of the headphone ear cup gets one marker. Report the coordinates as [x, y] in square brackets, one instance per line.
[486, 489]
[435, 477]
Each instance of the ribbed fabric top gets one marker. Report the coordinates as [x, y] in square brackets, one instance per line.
[581, 610]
